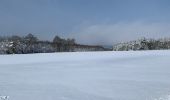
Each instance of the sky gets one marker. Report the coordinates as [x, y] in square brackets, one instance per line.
[95, 22]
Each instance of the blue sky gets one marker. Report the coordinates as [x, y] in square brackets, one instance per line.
[89, 21]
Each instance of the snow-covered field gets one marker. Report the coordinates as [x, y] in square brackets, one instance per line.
[140, 75]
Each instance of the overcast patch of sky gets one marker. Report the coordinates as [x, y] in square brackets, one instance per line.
[106, 34]
[47, 18]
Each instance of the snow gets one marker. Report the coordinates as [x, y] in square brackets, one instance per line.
[113, 75]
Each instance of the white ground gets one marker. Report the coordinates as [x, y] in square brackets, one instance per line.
[141, 75]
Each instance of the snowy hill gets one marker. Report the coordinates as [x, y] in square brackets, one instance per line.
[127, 75]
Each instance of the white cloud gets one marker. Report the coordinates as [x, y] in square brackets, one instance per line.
[111, 33]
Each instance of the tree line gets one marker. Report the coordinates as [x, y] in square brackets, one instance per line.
[143, 44]
[31, 44]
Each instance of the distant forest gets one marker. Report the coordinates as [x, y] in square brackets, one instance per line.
[143, 44]
[31, 44]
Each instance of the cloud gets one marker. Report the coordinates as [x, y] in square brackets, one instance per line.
[108, 34]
